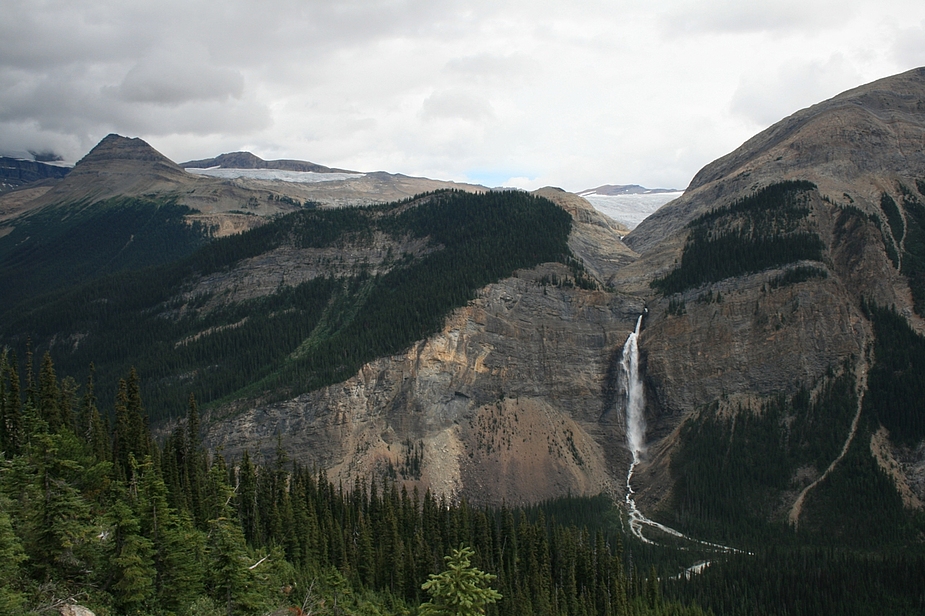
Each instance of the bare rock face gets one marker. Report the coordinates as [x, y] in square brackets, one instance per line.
[761, 340]
[517, 398]
[595, 238]
[507, 403]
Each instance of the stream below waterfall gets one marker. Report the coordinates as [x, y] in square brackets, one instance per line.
[635, 440]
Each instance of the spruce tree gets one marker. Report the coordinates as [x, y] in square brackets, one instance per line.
[11, 556]
[49, 395]
[460, 590]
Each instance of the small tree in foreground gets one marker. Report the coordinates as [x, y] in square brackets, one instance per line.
[461, 590]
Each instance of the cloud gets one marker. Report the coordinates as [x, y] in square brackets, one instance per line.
[575, 95]
[764, 99]
[167, 79]
[736, 17]
[456, 104]
[909, 45]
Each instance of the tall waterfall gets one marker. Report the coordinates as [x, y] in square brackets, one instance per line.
[636, 440]
[635, 423]
[635, 395]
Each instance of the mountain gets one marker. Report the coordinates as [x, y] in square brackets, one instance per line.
[17, 172]
[246, 160]
[788, 282]
[769, 287]
[472, 343]
[126, 206]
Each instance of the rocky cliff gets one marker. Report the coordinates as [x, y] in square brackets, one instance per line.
[518, 397]
[740, 341]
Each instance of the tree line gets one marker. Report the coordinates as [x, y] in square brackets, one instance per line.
[752, 234]
[299, 337]
[97, 512]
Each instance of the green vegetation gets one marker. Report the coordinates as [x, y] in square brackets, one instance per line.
[731, 471]
[125, 525]
[913, 266]
[807, 582]
[300, 337]
[758, 232]
[51, 251]
[460, 590]
[895, 385]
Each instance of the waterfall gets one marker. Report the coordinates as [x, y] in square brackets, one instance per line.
[636, 441]
[635, 395]
[635, 423]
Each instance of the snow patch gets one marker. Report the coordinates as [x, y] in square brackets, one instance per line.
[280, 175]
[630, 209]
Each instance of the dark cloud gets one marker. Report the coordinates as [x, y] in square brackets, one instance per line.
[171, 80]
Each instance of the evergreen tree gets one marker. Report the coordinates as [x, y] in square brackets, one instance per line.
[132, 560]
[11, 556]
[90, 424]
[130, 436]
[460, 590]
[11, 436]
[49, 395]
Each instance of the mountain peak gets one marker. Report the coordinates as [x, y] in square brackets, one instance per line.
[118, 166]
[115, 147]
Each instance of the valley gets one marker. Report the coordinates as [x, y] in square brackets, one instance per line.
[350, 373]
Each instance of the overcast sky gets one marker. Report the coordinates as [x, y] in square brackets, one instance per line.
[519, 93]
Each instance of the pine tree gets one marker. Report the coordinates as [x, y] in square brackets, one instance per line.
[194, 467]
[49, 395]
[231, 580]
[130, 436]
[11, 555]
[460, 590]
[132, 560]
[90, 424]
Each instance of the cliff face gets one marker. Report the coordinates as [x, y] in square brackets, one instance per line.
[862, 151]
[513, 401]
[518, 397]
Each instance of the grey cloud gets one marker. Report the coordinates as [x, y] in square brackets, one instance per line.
[456, 104]
[909, 46]
[171, 81]
[765, 99]
[489, 67]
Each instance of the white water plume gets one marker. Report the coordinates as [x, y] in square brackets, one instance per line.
[636, 440]
[635, 395]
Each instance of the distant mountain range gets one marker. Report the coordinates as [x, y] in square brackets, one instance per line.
[17, 172]
[246, 160]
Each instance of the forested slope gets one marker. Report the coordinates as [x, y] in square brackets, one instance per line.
[184, 336]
